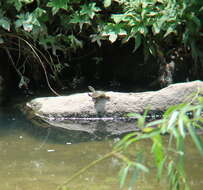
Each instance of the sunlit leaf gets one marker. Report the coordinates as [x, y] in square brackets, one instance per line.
[154, 123]
[118, 17]
[181, 125]
[27, 20]
[152, 49]
[143, 30]
[171, 29]
[156, 28]
[5, 23]
[28, 27]
[148, 129]
[170, 110]
[136, 115]
[27, 1]
[141, 121]
[23, 82]
[113, 31]
[113, 37]
[172, 120]
[107, 3]
[152, 14]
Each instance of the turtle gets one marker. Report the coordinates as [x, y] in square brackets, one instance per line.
[97, 94]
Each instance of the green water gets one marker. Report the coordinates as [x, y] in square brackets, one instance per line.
[35, 159]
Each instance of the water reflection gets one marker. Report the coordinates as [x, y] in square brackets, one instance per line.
[40, 159]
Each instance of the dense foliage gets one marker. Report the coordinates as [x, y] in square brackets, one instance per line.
[160, 27]
[65, 24]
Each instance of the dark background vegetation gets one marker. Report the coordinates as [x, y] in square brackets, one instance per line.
[120, 45]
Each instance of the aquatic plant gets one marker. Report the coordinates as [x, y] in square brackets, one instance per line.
[178, 123]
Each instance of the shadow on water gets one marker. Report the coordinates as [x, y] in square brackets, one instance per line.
[12, 120]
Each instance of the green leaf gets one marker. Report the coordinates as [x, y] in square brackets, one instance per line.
[123, 175]
[1, 40]
[74, 42]
[96, 38]
[117, 17]
[27, 1]
[158, 150]
[80, 19]
[137, 168]
[134, 115]
[181, 125]
[170, 168]
[146, 135]
[138, 41]
[27, 20]
[152, 49]
[28, 27]
[5, 23]
[143, 30]
[113, 37]
[201, 9]
[141, 167]
[134, 177]
[198, 142]
[125, 139]
[161, 168]
[196, 20]
[17, 4]
[58, 4]
[156, 28]
[89, 10]
[47, 41]
[171, 29]
[38, 12]
[23, 81]
[172, 120]
[107, 3]
[113, 31]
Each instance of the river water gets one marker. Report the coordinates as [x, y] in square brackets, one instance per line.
[32, 158]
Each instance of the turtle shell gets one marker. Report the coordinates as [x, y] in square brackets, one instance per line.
[96, 94]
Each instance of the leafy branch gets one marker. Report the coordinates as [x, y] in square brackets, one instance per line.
[178, 122]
